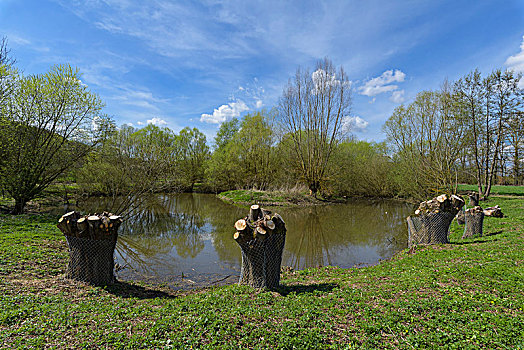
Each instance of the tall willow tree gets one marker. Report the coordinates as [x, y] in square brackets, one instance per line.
[427, 138]
[311, 110]
[49, 122]
[492, 107]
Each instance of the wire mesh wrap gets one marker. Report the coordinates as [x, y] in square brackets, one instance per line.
[430, 228]
[261, 237]
[253, 270]
[474, 223]
[91, 260]
[91, 240]
[274, 249]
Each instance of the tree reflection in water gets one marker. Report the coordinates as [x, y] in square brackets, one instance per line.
[192, 234]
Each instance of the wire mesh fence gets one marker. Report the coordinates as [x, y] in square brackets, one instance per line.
[430, 228]
[91, 240]
[261, 238]
[91, 260]
[474, 222]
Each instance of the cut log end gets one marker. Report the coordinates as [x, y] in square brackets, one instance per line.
[240, 225]
[270, 224]
[255, 213]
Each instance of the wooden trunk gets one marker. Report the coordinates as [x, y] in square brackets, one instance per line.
[261, 237]
[92, 241]
[431, 221]
[474, 221]
[473, 199]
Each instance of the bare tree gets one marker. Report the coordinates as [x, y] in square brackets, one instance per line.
[516, 143]
[311, 110]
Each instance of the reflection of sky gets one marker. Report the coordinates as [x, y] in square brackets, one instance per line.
[191, 235]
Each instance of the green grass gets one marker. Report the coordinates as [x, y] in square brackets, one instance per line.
[496, 190]
[292, 197]
[467, 294]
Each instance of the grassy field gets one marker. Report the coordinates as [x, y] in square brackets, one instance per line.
[496, 190]
[467, 294]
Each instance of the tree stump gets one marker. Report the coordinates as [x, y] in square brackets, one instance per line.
[431, 221]
[474, 221]
[91, 240]
[261, 237]
[473, 199]
[461, 220]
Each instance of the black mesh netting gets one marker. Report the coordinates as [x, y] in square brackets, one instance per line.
[261, 261]
[91, 260]
[430, 228]
[261, 237]
[474, 222]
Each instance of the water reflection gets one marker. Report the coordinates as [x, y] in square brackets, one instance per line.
[187, 238]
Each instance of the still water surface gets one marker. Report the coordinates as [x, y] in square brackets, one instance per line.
[187, 239]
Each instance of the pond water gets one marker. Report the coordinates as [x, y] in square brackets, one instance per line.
[186, 240]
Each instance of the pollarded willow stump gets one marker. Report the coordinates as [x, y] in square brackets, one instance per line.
[473, 199]
[261, 237]
[430, 224]
[474, 221]
[91, 240]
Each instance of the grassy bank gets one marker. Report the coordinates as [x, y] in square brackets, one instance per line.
[290, 197]
[500, 190]
[467, 294]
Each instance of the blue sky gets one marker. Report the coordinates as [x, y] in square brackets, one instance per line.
[186, 63]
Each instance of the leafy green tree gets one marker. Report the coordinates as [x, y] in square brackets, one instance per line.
[226, 132]
[427, 138]
[218, 172]
[362, 168]
[193, 155]
[247, 159]
[131, 164]
[49, 122]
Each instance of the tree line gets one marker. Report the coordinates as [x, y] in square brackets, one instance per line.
[52, 128]
[470, 131]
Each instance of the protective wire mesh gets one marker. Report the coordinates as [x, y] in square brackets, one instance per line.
[430, 228]
[474, 223]
[261, 261]
[91, 260]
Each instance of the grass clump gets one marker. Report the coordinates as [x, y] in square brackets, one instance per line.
[466, 294]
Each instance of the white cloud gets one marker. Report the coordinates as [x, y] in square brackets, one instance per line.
[354, 124]
[157, 121]
[383, 84]
[225, 112]
[139, 123]
[397, 96]
[259, 104]
[322, 79]
[18, 40]
[516, 62]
